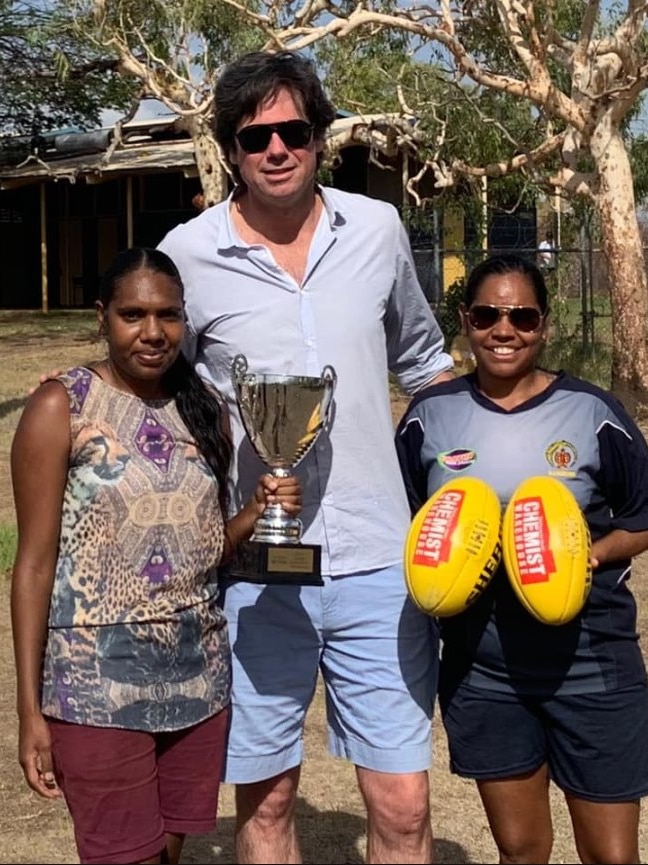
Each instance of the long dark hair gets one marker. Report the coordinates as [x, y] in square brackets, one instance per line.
[201, 409]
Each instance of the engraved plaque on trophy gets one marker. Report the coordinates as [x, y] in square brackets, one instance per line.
[283, 415]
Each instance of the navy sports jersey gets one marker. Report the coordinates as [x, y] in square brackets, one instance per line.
[580, 434]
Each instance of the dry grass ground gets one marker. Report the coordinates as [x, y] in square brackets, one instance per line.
[331, 816]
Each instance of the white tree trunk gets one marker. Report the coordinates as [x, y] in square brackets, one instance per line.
[627, 274]
[213, 176]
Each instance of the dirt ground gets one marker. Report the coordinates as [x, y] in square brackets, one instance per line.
[330, 812]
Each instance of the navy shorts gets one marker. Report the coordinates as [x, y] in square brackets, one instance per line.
[595, 745]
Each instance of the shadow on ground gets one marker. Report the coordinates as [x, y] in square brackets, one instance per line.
[334, 837]
[10, 405]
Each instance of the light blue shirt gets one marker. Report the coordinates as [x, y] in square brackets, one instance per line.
[359, 309]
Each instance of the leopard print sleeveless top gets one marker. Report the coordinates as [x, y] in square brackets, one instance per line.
[136, 638]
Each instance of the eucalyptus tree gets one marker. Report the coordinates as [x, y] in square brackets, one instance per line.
[534, 95]
[172, 51]
[541, 90]
[49, 80]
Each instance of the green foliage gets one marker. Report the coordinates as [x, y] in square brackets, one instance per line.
[639, 163]
[182, 42]
[448, 313]
[8, 544]
[567, 348]
[419, 220]
[591, 363]
[49, 78]
[466, 124]
[362, 75]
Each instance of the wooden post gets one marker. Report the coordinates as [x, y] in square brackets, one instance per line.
[43, 247]
[484, 203]
[558, 241]
[129, 211]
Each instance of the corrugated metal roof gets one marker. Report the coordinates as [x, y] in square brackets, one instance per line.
[144, 155]
[92, 167]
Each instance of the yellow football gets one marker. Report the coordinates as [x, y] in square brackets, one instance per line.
[453, 546]
[546, 547]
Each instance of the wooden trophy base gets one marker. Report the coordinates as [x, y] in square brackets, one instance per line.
[281, 564]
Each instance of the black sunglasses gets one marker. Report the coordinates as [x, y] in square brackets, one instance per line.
[526, 319]
[293, 133]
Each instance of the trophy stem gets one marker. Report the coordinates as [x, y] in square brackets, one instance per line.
[275, 525]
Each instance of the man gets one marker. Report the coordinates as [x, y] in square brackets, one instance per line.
[547, 253]
[297, 277]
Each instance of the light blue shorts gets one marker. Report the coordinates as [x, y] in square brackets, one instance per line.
[379, 661]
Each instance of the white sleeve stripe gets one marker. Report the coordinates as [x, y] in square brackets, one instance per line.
[413, 420]
[623, 576]
[615, 426]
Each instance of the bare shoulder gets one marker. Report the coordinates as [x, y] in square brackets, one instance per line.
[46, 411]
[51, 396]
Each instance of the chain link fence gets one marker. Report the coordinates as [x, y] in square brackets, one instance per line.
[580, 322]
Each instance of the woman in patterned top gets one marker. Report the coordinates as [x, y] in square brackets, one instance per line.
[122, 655]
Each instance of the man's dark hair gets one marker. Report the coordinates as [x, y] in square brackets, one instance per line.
[248, 82]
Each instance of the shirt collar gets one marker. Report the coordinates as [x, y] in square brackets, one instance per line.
[229, 239]
[333, 210]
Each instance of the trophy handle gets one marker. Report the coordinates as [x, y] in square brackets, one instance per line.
[328, 375]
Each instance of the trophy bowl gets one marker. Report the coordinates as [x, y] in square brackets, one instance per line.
[283, 416]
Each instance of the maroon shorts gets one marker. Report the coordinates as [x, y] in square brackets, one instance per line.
[125, 789]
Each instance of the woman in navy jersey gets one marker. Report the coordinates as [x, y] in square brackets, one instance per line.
[524, 703]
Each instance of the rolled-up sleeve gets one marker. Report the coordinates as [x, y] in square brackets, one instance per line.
[415, 343]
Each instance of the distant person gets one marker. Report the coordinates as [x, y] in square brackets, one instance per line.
[547, 253]
[523, 702]
[122, 653]
[297, 276]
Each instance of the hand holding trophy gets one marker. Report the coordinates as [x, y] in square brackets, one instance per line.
[283, 417]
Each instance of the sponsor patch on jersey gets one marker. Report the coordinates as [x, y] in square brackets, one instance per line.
[457, 459]
[562, 456]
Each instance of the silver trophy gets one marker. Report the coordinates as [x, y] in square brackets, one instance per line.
[283, 415]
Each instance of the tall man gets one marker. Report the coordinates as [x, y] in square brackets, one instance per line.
[297, 277]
